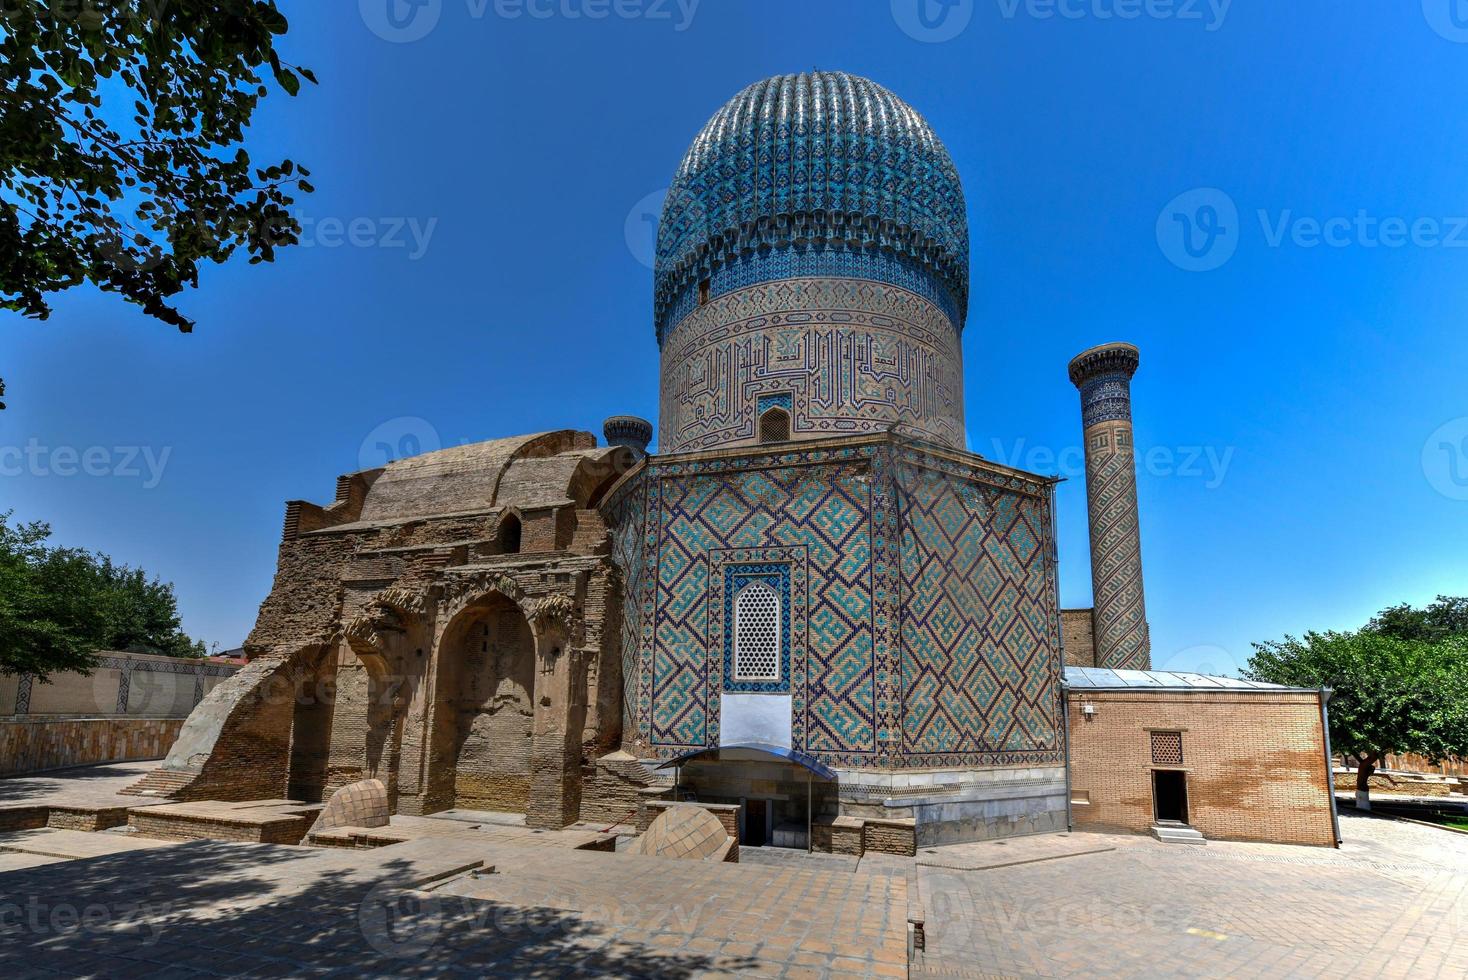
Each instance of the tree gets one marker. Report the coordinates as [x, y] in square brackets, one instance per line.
[1443, 619]
[1392, 695]
[121, 146]
[60, 605]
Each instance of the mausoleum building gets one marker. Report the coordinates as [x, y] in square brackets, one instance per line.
[812, 608]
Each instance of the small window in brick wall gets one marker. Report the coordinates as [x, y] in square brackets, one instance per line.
[1167, 748]
[703, 292]
[509, 535]
[774, 425]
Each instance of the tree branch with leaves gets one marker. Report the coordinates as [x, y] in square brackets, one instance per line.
[122, 156]
[1392, 695]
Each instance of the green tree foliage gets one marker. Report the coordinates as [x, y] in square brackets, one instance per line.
[1393, 694]
[1443, 619]
[122, 162]
[60, 605]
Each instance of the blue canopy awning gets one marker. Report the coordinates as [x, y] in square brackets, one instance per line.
[713, 753]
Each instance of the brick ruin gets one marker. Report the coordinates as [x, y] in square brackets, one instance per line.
[448, 625]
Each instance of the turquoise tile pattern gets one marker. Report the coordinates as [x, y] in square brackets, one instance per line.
[925, 628]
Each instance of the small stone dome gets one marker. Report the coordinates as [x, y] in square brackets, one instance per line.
[815, 161]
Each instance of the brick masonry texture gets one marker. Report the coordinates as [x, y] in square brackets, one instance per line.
[1255, 763]
[441, 627]
[1077, 630]
[361, 804]
[37, 744]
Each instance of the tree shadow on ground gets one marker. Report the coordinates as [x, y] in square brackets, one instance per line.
[269, 910]
[38, 786]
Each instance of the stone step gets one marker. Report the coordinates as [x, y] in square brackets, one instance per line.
[160, 783]
[1177, 833]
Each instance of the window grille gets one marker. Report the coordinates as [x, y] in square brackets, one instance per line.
[774, 425]
[757, 633]
[1167, 748]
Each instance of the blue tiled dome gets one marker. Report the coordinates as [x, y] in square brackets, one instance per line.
[820, 161]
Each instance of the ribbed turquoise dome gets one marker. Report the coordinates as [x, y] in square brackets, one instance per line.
[820, 161]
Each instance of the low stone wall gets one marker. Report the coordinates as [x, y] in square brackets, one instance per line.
[1422, 764]
[1402, 786]
[837, 835]
[40, 744]
[890, 837]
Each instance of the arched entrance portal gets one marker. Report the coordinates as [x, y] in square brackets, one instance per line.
[486, 708]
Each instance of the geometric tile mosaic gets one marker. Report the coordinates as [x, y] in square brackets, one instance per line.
[923, 625]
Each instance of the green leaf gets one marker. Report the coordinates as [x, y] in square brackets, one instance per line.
[288, 80]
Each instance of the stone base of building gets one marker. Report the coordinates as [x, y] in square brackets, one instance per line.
[955, 806]
[865, 810]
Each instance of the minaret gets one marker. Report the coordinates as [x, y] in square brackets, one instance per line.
[1103, 375]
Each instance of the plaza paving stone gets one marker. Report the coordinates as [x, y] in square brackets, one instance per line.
[82, 786]
[213, 908]
[70, 844]
[1393, 902]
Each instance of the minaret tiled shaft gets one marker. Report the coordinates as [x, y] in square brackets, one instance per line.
[1103, 376]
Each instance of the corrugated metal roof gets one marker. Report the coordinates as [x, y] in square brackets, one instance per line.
[1102, 678]
[753, 748]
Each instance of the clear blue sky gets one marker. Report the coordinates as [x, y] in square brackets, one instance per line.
[1317, 375]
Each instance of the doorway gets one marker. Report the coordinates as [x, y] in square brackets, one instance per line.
[756, 823]
[1170, 795]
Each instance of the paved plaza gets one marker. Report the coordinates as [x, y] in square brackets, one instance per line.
[1393, 902]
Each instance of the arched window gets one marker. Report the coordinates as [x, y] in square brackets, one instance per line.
[509, 535]
[774, 425]
[757, 633]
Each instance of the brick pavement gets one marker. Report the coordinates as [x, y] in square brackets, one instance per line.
[214, 908]
[1393, 901]
[1390, 903]
[83, 786]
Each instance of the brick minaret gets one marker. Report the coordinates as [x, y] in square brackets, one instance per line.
[1103, 375]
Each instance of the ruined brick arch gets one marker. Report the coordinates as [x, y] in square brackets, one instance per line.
[464, 595]
[373, 698]
[236, 744]
[391, 612]
[312, 694]
[543, 613]
[484, 705]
